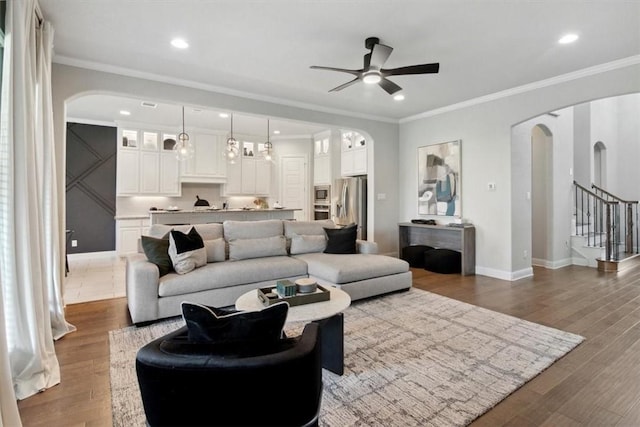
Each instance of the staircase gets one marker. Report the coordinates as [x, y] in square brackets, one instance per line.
[605, 229]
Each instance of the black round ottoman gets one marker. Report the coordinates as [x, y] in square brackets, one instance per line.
[414, 254]
[446, 261]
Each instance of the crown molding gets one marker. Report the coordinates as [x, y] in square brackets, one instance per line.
[563, 78]
[97, 66]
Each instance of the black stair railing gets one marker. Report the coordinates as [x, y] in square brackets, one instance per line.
[601, 218]
[629, 220]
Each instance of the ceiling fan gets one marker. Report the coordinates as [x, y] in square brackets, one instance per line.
[373, 73]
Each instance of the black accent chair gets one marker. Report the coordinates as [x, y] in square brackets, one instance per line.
[183, 383]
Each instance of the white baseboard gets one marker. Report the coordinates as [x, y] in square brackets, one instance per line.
[551, 264]
[505, 275]
[580, 261]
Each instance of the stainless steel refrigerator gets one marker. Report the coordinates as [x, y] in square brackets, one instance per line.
[350, 199]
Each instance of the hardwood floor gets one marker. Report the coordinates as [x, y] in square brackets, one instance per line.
[598, 383]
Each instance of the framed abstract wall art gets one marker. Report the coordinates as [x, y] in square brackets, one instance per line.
[439, 179]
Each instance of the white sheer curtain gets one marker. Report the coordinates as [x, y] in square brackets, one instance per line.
[30, 260]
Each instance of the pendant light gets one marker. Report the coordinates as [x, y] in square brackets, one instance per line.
[183, 148]
[268, 146]
[232, 150]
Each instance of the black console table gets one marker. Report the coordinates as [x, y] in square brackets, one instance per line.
[461, 239]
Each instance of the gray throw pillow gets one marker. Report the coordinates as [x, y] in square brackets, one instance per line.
[240, 249]
[215, 250]
[307, 244]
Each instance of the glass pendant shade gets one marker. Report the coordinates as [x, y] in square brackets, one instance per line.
[232, 150]
[268, 146]
[183, 148]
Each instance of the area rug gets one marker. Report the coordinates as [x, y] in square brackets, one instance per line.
[411, 359]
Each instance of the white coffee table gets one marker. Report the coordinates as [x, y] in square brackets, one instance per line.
[326, 313]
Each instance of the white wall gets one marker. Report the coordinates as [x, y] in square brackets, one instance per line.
[603, 127]
[70, 82]
[558, 211]
[485, 131]
[628, 155]
[582, 146]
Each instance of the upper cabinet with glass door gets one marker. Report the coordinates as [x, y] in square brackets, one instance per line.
[354, 154]
[322, 158]
[146, 164]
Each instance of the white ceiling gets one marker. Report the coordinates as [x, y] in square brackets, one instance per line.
[264, 48]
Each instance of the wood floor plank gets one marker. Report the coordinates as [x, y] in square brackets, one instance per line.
[595, 384]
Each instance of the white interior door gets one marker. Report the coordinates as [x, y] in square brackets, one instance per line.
[294, 185]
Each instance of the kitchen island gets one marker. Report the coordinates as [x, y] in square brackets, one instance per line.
[203, 216]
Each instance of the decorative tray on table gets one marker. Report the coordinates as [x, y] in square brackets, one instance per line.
[269, 296]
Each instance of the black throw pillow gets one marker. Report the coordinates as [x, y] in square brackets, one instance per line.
[213, 325]
[341, 240]
[157, 252]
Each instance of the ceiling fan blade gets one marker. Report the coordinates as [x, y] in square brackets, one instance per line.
[347, 84]
[412, 69]
[342, 70]
[389, 86]
[379, 55]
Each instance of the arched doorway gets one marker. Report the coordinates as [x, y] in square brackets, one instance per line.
[541, 195]
[600, 164]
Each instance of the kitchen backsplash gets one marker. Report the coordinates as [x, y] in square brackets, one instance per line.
[210, 192]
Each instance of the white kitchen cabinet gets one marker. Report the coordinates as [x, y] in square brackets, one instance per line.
[208, 164]
[322, 158]
[145, 166]
[150, 172]
[248, 176]
[354, 154]
[169, 174]
[322, 170]
[234, 178]
[128, 232]
[128, 172]
[263, 177]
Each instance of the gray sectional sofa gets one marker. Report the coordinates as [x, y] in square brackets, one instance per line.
[246, 255]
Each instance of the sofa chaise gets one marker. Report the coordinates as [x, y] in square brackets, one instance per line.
[246, 255]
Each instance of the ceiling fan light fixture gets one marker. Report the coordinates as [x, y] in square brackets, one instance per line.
[372, 77]
[398, 97]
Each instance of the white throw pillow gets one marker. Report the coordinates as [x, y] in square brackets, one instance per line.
[187, 251]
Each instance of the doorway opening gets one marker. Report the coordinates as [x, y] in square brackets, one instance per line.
[600, 164]
[541, 195]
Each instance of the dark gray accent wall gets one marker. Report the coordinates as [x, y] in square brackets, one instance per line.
[91, 187]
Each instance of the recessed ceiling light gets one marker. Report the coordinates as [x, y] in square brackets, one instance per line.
[223, 115]
[179, 43]
[568, 38]
[277, 132]
[398, 97]
[125, 112]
